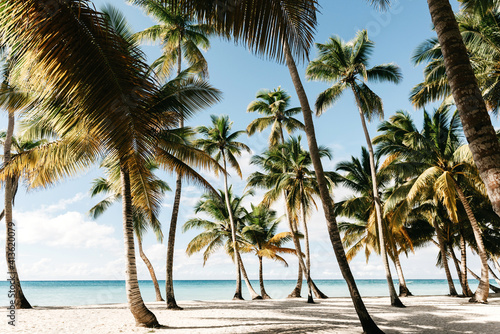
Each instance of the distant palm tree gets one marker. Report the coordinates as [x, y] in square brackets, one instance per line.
[441, 166]
[345, 65]
[360, 206]
[286, 170]
[260, 233]
[220, 142]
[179, 35]
[274, 106]
[142, 220]
[219, 232]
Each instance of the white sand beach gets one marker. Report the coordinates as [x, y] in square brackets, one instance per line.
[430, 314]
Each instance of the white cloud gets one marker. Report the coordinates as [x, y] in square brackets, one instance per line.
[63, 203]
[70, 229]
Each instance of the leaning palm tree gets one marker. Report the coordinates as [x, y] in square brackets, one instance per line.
[345, 65]
[219, 232]
[124, 109]
[220, 142]
[111, 186]
[260, 234]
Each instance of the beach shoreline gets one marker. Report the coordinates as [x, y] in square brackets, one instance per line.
[423, 314]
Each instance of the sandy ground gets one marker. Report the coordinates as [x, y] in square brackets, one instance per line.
[436, 314]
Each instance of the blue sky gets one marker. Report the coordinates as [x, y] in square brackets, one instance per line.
[57, 240]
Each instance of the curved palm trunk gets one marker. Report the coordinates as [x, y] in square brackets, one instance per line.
[237, 294]
[495, 262]
[466, 292]
[492, 287]
[20, 301]
[403, 288]
[263, 292]
[143, 316]
[395, 301]
[463, 269]
[367, 322]
[481, 294]
[151, 270]
[444, 258]
[476, 122]
[254, 295]
[298, 287]
[494, 275]
[169, 282]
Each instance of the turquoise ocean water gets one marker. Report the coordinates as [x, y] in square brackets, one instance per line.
[66, 293]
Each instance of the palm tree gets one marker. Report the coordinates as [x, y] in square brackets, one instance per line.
[476, 122]
[141, 219]
[260, 233]
[346, 66]
[360, 206]
[108, 89]
[291, 23]
[287, 172]
[274, 105]
[441, 167]
[221, 142]
[220, 233]
[13, 101]
[180, 38]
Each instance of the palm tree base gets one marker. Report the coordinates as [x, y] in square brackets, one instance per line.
[266, 296]
[294, 294]
[310, 300]
[238, 296]
[397, 303]
[404, 291]
[172, 305]
[257, 298]
[474, 299]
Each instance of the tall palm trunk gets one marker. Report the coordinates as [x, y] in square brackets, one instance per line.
[444, 258]
[463, 269]
[481, 294]
[20, 301]
[169, 283]
[308, 253]
[466, 292]
[302, 266]
[254, 295]
[143, 316]
[395, 301]
[403, 288]
[476, 122]
[151, 270]
[263, 292]
[237, 293]
[367, 322]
